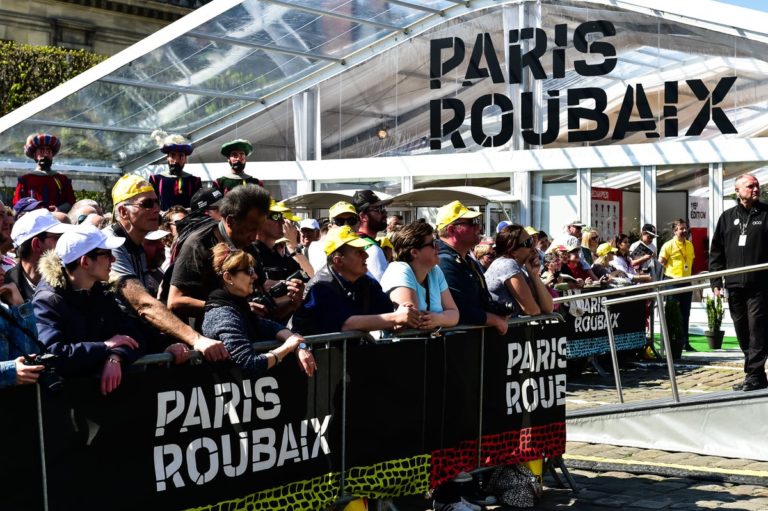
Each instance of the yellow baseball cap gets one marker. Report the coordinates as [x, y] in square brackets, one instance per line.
[531, 230]
[451, 212]
[340, 208]
[605, 249]
[130, 185]
[277, 207]
[337, 238]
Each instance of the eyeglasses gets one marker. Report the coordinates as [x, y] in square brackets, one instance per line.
[95, 254]
[277, 217]
[528, 243]
[377, 209]
[250, 270]
[350, 221]
[432, 244]
[471, 222]
[81, 219]
[145, 203]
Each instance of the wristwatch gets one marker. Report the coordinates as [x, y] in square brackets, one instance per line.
[304, 346]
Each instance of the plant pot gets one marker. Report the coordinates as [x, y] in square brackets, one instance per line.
[715, 339]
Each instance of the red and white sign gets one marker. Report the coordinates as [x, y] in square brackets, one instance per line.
[606, 212]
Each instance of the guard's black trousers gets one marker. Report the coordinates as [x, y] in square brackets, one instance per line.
[749, 311]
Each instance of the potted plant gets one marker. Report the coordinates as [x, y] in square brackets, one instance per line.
[714, 320]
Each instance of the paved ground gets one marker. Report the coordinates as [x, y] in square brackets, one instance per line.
[614, 477]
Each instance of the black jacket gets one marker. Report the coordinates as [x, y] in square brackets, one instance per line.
[725, 252]
[467, 284]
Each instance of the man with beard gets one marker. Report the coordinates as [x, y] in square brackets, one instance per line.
[372, 213]
[174, 186]
[44, 184]
[236, 153]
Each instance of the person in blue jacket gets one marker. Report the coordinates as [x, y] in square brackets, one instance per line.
[78, 318]
[17, 331]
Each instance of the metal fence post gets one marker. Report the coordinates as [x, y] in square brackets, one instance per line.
[614, 351]
[41, 434]
[344, 419]
[480, 414]
[667, 345]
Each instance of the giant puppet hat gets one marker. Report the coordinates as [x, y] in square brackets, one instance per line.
[36, 141]
[174, 143]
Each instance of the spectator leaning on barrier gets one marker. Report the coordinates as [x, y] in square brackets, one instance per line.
[78, 319]
[34, 234]
[415, 278]
[19, 333]
[373, 218]
[741, 239]
[342, 296]
[228, 317]
[513, 279]
[459, 231]
[136, 215]
[236, 153]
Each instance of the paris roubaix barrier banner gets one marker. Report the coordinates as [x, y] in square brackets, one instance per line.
[586, 326]
[407, 416]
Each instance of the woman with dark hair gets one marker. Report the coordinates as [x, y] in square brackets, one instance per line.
[622, 262]
[228, 317]
[415, 278]
[512, 278]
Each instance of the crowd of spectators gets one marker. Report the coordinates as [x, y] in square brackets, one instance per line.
[221, 268]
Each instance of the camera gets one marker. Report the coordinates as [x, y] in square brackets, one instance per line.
[281, 288]
[264, 299]
[49, 378]
[502, 308]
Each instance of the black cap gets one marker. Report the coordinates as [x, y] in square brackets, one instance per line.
[364, 199]
[650, 229]
[205, 198]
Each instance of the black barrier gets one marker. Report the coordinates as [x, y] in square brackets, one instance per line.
[404, 417]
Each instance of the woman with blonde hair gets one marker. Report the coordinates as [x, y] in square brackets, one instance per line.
[229, 318]
[415, 278]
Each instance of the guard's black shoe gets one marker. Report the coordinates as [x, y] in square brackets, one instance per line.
[688, 347]
[751, 384]
[738, 386]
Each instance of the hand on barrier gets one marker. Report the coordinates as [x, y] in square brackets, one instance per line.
[121, 340]
[498, 322]
[180, 352]
[306, 362]
[213, 351]
[426, 321]
[407, 315]
[26, 374]
[111, 375]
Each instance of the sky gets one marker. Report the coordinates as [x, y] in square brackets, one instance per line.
[759, 5]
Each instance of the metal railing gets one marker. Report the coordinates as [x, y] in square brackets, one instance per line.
[654, 293]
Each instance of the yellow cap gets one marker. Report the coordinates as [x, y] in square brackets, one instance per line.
[605, 248]
[336, 238]
[130, 185]
[451, 212]
[340, 208]
[383, 241]
[277, 207]
[531, 230]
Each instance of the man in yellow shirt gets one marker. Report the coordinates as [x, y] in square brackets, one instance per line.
[676, 256]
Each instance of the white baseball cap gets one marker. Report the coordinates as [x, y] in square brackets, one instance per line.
[309, 223]
[77, 242]
[156, 235]
[34, 223]
[572, 243]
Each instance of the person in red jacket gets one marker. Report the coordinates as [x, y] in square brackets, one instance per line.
[45, 184]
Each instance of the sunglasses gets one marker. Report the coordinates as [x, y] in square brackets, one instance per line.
[471, 222]
[432, 244]
[145, 203]
[250, 270]
[277, 217]
[377, 209]
[528, 243]
[350, 221]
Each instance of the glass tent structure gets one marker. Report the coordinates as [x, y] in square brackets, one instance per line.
[335, 94]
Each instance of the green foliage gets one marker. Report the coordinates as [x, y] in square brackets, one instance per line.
[714, 313]
[27, 71]
[103, 198]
